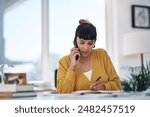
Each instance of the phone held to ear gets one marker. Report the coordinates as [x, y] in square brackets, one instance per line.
[77, 56]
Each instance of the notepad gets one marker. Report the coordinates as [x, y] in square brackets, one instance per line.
[94, 92]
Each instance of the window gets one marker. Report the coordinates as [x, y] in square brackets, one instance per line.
[22, 32]
[22, 38]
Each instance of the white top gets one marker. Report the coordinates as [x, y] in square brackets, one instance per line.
[88, 74]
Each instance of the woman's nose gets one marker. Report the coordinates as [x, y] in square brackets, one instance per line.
[85, 47]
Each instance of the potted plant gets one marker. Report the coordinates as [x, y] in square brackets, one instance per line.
[3, 68]
[138, 78]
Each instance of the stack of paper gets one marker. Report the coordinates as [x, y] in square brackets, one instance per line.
[12, 90]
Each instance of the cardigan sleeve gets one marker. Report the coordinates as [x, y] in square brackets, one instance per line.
[113, 79]
[65, 78]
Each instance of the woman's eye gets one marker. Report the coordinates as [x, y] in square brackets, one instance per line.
[90, 43]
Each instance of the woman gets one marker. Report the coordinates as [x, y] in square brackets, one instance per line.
[86, 68]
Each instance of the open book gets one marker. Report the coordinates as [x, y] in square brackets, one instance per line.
[95, 92]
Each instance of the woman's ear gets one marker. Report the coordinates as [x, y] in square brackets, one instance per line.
[94, 44]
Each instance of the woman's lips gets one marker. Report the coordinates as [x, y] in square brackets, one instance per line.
[83, 52]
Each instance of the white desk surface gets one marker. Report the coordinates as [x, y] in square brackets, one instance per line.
[99, 96]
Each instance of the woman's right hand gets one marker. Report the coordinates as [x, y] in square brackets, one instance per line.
[73, 52]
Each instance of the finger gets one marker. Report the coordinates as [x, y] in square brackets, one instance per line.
[75, 53]
[72, 52]
[95, 83]
[95, 87]
[98, 87]
[92, 85]
[72, 49]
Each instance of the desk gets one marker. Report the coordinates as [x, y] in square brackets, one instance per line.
[113, 96]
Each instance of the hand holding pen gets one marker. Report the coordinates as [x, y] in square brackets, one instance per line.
[97, 85]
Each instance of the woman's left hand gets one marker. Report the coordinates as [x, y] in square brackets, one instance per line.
[97, 85]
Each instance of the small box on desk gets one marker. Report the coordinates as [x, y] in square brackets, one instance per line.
[15, 78]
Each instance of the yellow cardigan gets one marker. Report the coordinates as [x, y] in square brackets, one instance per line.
[70, 81]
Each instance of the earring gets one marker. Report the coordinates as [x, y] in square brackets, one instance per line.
[94, 46]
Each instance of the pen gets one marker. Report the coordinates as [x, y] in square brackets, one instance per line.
[91, 86]
[98, 78]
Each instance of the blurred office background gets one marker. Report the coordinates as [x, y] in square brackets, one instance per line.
[35, 34]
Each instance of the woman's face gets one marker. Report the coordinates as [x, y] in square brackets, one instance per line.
[85, 46]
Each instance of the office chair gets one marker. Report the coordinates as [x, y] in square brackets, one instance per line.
[55, 74]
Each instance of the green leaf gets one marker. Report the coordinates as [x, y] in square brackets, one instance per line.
[138, 78]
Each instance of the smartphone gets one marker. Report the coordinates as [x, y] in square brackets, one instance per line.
[77, 56]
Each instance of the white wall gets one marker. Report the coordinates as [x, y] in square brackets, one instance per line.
[119, 23]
